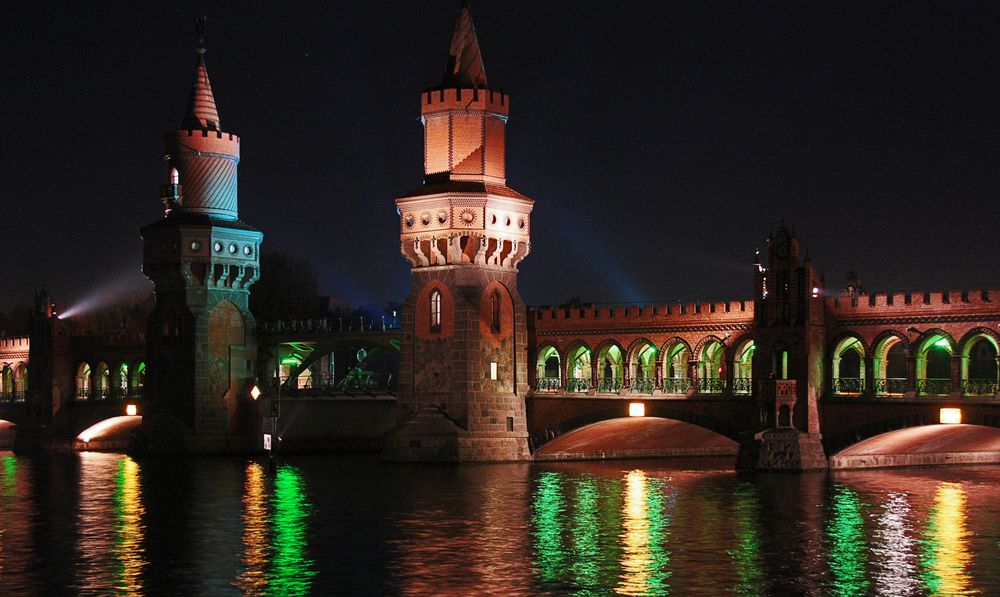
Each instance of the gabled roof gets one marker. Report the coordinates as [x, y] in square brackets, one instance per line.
[465, 62]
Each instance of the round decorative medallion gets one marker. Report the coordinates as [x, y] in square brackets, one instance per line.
[442, 217]
[247, 250]
[508, 220]
[468, 216]
[425, 218]
[233, 248]
[217, 246]
[520, 223]
[409, 220]
[195, 245]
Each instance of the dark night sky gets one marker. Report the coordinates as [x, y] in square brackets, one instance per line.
[661, 141]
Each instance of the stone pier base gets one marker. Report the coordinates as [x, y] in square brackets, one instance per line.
[431, 437]
[782, 449]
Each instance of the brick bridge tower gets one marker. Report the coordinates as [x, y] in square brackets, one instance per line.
[463, 375]
[201, 338]
[789, 333]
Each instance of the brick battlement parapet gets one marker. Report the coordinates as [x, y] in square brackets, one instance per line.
[204, 141]
[468, 99]
[15, 343]
[913, 303]
[649, 314]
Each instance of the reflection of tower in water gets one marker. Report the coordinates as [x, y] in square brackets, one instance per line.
[253, 579]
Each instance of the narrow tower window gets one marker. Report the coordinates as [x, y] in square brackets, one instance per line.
[495, 311]
[174, 177]
[436, 311]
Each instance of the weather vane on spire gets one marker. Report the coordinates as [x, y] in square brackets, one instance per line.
[199, 28]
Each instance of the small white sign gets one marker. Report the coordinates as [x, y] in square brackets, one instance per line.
[267, 442]
[493, 371]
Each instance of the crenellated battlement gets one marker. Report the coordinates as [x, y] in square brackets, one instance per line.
[17, 343]
[203, 141]
[913, 302]
[486, 99]
[648, 313]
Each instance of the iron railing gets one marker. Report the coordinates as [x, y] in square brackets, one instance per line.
[711, 386]
[334, 324]
[6, 397]
[848, 385]
[676, 385]
[578, 384]
[931, 387]
[979, 387]
[609, 385]
[365, 382]
[742, 386]
[890, 386]
[643, 386]
[20, 396]
[548, 384]
[82, 393]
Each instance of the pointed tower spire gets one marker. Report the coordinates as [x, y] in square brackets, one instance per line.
[201, 111]
[465, 62]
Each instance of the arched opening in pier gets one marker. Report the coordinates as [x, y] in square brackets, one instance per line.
[849, 367]
[676, 363]
[7, 429]
[578, 369]
[636, 437]
[889, 364]
[980, 365]
[610, 372]
[547, 372]
[923, 445]
[934, 365]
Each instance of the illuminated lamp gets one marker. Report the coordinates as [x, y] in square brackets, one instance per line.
[951, 416]
[131, 410]
[291, 360]
[943, 343]
[636, 409]
[255, 392]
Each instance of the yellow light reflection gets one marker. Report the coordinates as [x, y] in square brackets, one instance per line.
[253, 579]
[128, 550]
[949, 565]
[636, 559]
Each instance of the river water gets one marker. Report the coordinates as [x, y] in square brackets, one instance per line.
[106, 523]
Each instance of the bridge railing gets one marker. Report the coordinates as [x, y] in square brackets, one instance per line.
[848, 386]
[979, 387]
[368, 382]
[578, 384]
[933, 386]
[676, 385]
[82, 393]
[711, 386]
[642, 386]
[333, 324]
[548, 384]
[609, 385]
[890, 386]
[742, 386]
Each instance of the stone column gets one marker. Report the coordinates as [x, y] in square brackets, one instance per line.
[956, 376]
[869, 379]
[911, 373]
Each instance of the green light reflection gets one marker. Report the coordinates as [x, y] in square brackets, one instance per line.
[8, 471]
[291, 570]
[546, 514]
[846, 535]
[746, 556]
[586, 564]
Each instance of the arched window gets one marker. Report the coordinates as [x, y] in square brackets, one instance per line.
[848, 367]
[979, 366]
[495, 311]
[83, 382]
[436, 311]
[174, 178]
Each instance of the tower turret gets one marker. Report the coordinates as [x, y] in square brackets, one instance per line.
[201, 338]
[463, 373]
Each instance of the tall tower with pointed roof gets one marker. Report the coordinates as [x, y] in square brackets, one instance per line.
[463, 375]
[201, 338]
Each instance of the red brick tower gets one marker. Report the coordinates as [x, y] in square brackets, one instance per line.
[789, 333]
[463, 374]
[201, 338]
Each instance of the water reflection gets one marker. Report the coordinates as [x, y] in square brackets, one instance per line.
[746, 556]
[946, 554]
[292, 571]
[111, 526]
[645, 559]
[253, 579]
[847, 549]
[893, 549]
